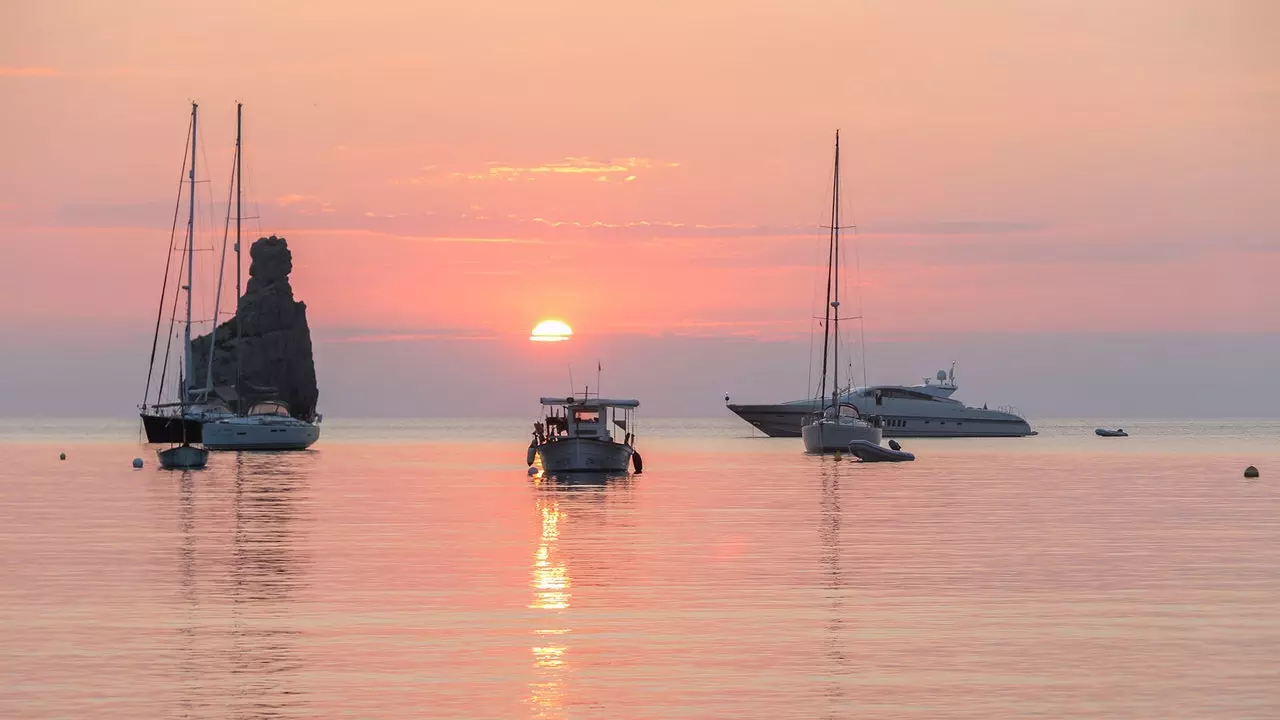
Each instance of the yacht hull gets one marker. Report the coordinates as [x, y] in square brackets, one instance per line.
[584, 455]
[236, 436]
[171, 429]
[825, 437]
[786, 420]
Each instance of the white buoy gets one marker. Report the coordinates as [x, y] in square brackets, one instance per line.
[137, 462]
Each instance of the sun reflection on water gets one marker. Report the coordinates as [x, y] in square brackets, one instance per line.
[550, 581]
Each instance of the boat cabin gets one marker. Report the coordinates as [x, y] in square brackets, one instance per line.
[586, 418]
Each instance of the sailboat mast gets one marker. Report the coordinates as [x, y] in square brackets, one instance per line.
[191, 256]
[835, 269]
[239, 215]
[831, 262]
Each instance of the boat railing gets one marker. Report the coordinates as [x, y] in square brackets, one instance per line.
[1012, 411]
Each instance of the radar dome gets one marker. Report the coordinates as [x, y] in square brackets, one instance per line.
[942, 376]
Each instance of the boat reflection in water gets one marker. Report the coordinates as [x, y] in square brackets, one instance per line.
[577, 498]
[240, 575]
[833, 638]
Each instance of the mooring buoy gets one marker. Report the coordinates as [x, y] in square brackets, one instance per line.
[137, 462]
[62, 456]
[1251, 472]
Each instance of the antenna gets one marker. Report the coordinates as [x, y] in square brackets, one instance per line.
[571, 385]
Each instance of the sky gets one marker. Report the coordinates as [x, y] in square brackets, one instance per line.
[1072, 199]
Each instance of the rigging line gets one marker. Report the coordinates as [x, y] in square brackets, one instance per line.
[164, 287]
[862, 323]
[813, 297]
[211, 210]
[173, 319]
[217, 302]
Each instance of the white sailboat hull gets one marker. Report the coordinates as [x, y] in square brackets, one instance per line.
[183, 457]
[584, 455]
[233, 435]
[825, 436]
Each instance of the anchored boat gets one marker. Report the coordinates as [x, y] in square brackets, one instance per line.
[576, 434]
[835, 424]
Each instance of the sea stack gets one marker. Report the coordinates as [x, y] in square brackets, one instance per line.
[272, 336]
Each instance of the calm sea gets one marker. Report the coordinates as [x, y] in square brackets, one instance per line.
[412, 569]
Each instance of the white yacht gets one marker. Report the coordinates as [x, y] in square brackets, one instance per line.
[576, 435]
[923, 410]
[267, 426]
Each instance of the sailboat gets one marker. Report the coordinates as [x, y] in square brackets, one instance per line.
[266, 425]
[180, 421]
[836, 423]
[183, 457]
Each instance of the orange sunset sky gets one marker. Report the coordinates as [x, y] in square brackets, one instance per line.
[1066, 173]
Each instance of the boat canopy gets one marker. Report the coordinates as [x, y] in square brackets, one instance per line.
[270, 407]
[588, 403]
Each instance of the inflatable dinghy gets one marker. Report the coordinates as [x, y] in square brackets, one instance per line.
[867, 451]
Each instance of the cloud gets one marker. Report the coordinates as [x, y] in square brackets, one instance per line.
[625, 169]
[955, 227]
[29, 72]
[371, 335]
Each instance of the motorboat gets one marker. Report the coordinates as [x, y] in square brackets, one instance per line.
[867, 451]
[267, 426]
[1105, 432]
[922, 410]
[576, 434]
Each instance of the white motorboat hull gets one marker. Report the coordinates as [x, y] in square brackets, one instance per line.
[903, 420]
[584, 455]
[183, 457]
[824, 436]
[246, 436]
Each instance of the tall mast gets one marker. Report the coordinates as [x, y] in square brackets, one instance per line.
[835, 267]
[831, 262]
[239, 215]
[191, 256]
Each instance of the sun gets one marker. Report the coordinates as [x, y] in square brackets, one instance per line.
[551, 331]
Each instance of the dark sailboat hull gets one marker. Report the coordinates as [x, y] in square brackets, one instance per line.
[171, 429]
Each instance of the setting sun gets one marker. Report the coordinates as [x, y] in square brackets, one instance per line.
[551, 331]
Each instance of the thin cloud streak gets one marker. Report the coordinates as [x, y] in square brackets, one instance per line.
[29, 72]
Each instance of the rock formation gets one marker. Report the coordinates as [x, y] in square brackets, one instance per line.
[274, 340]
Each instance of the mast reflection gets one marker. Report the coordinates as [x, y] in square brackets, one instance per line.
[241, 573]
[834, 584]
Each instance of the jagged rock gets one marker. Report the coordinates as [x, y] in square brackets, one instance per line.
[276, 361]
